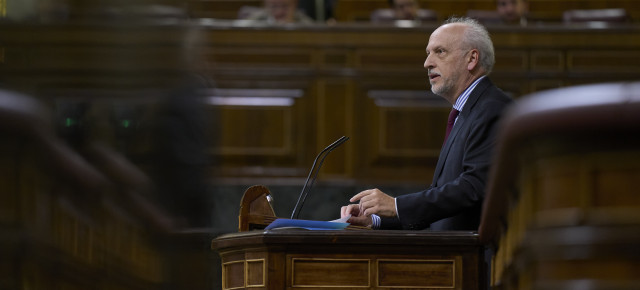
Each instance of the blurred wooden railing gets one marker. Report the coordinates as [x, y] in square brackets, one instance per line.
[68, 223]
[562, 203]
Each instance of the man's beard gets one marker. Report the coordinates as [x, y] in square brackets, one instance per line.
[444, 87]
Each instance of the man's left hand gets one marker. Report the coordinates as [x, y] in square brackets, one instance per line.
[374, 201]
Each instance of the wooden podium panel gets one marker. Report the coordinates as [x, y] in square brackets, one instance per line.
[351, 259]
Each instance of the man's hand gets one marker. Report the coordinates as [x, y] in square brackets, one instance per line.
[356, 218]
[374, 201]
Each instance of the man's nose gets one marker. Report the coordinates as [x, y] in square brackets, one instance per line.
[427, 63]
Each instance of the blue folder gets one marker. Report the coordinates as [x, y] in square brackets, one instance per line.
[306, 224]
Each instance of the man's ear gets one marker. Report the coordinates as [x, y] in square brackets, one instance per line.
[472, 61]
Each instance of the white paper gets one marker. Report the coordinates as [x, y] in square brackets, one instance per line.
[341, 220]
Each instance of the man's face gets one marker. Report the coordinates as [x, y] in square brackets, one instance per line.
[281, 10]
[406, 9]
[446, 61]
[511, 10]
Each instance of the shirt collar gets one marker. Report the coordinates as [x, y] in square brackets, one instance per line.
[462, 99]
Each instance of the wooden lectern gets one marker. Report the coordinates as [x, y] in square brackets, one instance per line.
[344, 259]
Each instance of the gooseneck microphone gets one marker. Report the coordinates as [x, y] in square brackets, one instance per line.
[305, 192]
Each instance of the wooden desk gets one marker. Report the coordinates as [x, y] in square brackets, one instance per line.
[297, 259]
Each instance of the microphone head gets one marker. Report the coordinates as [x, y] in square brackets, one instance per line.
[337, 143]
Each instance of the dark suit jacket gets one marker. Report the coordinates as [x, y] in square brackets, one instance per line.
[454, 199]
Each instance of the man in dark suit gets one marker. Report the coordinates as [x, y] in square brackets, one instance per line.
[459, 58]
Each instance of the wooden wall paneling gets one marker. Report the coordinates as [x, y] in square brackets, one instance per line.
[590, 61]
[511, 60]
[257, 130]
[408, 132]
[260, 56]
[511, 85]
[336, 66]
[545, 84]
[335, 109]
[335, 58]
[260, 127]
[554, 37]
[403, 134]
[76, 56]
[547, 61]
[334, 118]
[509, 70]
[394, 91]
[262, 71]
[400, 118]
[405, 60]
[101, 58]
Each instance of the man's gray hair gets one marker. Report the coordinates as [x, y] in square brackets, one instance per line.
[477, 36]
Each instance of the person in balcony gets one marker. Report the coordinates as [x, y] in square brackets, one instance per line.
[280, 12]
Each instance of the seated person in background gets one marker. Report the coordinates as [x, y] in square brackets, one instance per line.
[309, 7]
[513, 11]
[405, 9]
[280, 11]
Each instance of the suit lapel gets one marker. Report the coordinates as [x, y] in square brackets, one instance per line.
[460, 123]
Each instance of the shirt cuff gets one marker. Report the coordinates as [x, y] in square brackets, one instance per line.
[375, 221]
[395, 202]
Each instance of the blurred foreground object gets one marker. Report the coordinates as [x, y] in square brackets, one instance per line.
[60, 224]
[81, 216]
[79, 207]
[562, 203]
